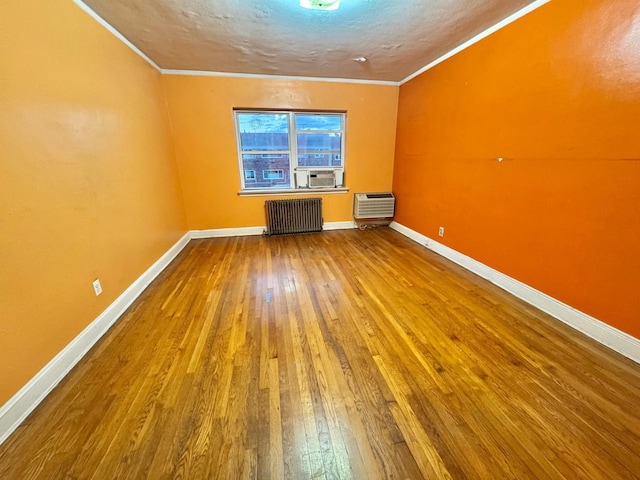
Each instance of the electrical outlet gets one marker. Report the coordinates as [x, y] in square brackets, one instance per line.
[441, 232]
[97, 287]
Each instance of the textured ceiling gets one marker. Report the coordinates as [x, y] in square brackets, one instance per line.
[278, 37]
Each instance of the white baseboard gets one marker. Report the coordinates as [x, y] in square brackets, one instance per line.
[245, 231]
[226, 232]
[613, 338]
[13, 413]
[18, 407]
[339, 225]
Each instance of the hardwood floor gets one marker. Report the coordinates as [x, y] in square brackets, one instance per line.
[341, 355]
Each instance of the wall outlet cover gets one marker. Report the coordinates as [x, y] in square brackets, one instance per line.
[97, 287]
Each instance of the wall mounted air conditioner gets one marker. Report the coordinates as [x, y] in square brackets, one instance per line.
[319, 178]
[376, 206]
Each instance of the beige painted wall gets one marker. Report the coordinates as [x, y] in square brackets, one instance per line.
[89, 185]
[202, 119]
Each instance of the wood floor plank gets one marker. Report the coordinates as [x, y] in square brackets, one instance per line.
[421, 446]
[276, 457]
[341, 355]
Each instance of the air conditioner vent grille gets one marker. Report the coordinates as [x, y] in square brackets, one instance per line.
[379, 195]
[373, 205]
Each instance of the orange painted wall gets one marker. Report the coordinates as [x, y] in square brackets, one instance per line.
[88, 186]
[556, 93]
[203, 129]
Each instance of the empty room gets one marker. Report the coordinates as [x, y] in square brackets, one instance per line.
[320, 239]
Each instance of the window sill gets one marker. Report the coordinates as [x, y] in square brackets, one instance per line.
[292, 191]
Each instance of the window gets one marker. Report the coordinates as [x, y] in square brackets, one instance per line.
[277, 142]
[273, 174]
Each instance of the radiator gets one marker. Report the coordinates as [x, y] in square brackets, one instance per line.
[293, 216]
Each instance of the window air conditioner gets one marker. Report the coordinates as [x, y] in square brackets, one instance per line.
[322, 179]
[318, 178]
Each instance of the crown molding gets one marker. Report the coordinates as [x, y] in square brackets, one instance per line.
[116, 33]
[489, 31]
[206, 73]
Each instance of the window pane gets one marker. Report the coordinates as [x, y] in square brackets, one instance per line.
[318, 122]
[277, 174]
[268, 171]
[263, 131]
[319, 149]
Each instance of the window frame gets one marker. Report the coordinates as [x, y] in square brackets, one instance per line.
[293, 152]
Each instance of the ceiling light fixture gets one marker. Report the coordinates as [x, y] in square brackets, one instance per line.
[360, 59]
[320, 4]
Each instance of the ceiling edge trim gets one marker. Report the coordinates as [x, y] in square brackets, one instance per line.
[115, 32]
[489, 31]
[206, 73]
